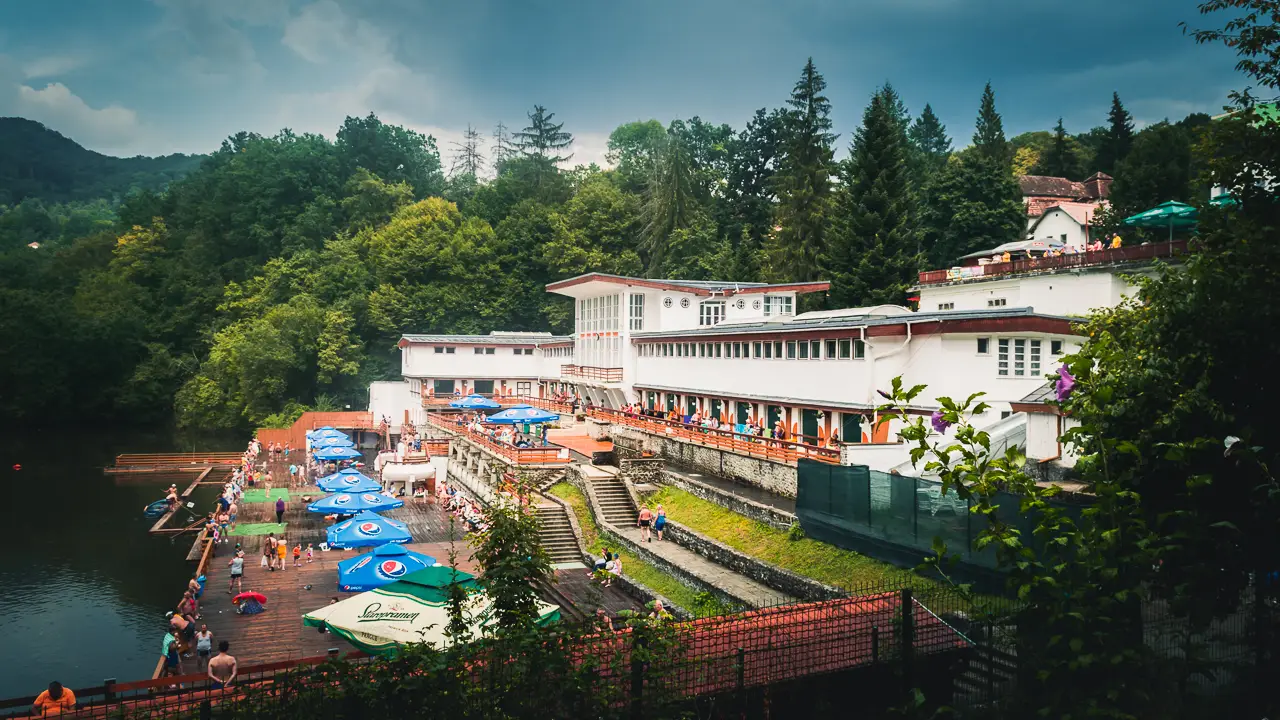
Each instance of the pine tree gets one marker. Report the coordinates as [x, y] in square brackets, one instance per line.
[988, 135]
[503, 148]
[1059, 160]
[540, 141]
[873, 247]
[930, 142]
[670, 203]
[754, 156]
[1119, 138]
[467, 158]
[974, 203]
[803, 182]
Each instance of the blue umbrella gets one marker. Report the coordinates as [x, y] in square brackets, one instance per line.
[367, 529]
[385, 565]
[348, 481]
[352, 503]
[475, 402]
[331, 443]
[337, 453]
[522, 414]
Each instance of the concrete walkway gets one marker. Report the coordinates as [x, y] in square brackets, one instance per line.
[764, 497]
[739, 586]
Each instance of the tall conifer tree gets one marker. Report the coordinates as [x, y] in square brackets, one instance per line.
[1119, 138]
[930, 142]
[541, 142]
[804, 182]
[873, 249]
[670, 202]
[1060, 160]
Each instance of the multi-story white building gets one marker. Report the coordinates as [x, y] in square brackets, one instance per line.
[739, 351]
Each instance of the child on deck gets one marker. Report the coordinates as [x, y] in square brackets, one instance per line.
[311, 550]
[297, 555]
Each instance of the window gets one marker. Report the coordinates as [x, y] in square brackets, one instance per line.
[737, 350]
[702, 349]
[1064, 238]
[803, 348]
[528, 351]
[815, 349]
[777, 349]
[488, 351]
[710, 312]
[758, 352]
[1002, 357]
[1025, 360]
[984, 346]
[768, 354]
[831, 350]
[1034, 357]
[1055, 347]
[717, 349]
[791, 349]
[637, 311]
[449, 350]
[480, 351]
[997, 302]
[777, 305]
[947, 306]
[439, 351]
[684, 303]
[846, 349]
[666, 302]
[1006, 413]
[859, 349]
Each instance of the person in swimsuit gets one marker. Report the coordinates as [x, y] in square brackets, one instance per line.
[269, 551]
[222, 668]
[204, 645]
[237, 573]
[169, 651]
[282, 549]
[645, 517]
[660, 522]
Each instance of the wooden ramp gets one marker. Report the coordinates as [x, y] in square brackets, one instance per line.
[172, 462]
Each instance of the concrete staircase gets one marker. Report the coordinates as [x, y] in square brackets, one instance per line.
[615, 501]
[557, 536]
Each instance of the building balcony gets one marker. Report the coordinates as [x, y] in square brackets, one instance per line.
[1132, 253]
[549, 454]
[586, 372]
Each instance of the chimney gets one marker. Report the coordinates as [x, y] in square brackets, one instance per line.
[1098, 186]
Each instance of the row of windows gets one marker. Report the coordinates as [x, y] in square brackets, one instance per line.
[830, 349]
[597, 314]
[637, 311]
[448, 350]
[558, 352]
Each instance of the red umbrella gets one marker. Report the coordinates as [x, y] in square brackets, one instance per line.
[250, 596]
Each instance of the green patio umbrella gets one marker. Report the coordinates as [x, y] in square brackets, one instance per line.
[1170, 214]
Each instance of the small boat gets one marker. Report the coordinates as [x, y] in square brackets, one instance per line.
[156, 509]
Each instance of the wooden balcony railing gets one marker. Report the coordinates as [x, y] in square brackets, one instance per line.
[742, 444]
[546, 404]
[586, 372]
[545, 455]
[1086, 259]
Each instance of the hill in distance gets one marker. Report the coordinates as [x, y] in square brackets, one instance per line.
[36, 162]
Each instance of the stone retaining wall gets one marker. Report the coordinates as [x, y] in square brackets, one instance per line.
[641, 471]
[776, 477]
[745, 507]
[780, 579]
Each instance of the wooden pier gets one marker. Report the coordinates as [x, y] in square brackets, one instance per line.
[133, 463]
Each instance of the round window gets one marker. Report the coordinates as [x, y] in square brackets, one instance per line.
[666, 302]
[740, 304]
[755, 304]
[684, 302]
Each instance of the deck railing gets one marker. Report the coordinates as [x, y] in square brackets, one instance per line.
[1085, 259]
[554, 406]
[587, 372]
[546, 455]
[769, 448]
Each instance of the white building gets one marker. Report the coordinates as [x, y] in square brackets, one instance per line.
[739, 352]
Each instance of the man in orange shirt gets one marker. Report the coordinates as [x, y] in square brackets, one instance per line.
[54, 701]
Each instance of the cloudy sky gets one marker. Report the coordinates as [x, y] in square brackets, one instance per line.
[150, 77]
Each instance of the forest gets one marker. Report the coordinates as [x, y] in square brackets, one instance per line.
[276, 274]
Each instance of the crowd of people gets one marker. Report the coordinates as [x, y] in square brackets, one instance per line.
[752, 428]
[505, 434]
[466, 510]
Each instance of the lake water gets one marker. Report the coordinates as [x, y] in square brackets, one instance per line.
[83, 586]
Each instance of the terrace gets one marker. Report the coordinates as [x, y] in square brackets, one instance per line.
[784, 451]
[548, 454]
[1133, 253]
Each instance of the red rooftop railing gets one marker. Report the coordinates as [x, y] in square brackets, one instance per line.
[1085, 259]
[545, 455]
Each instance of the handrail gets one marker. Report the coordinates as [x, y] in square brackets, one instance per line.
[588, 372]
[1084, 259]
[783, 450]
[547, 455]
[547, 404]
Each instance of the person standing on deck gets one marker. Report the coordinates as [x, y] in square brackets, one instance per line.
[646, 515]
[293, 475]
[282, 549]
[169, 651]
[231, 516]
[54, 701]
[279, 510]
[269, 552]
[223, 668]
[660, 522]
[237, 573]
[204, 646]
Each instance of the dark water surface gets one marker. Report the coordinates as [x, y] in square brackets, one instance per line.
[83, 586]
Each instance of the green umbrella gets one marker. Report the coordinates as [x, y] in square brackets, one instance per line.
[1171, 214]
[1224, 200]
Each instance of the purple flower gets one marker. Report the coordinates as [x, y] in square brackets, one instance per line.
[1065, 384]
[939, 422]
[885, 395]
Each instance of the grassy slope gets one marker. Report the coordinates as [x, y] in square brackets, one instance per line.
[633, 567]
[818, 560]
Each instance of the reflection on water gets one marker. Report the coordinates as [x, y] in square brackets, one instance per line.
[83, 586]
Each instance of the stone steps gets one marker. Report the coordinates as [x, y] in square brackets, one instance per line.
[557, 535]
[614, 501]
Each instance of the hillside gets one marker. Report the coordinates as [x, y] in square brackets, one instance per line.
[36, 162]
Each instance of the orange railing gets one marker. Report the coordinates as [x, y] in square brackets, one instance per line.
[1097, 257]
[740, 443]
[554, 406]
[586, 372]
[546, 455]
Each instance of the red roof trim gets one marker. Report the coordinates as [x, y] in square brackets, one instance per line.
[1039, 408]
[1053, 326]
[806, 287]
[800, 288]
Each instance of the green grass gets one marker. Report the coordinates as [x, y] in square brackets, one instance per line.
[811, 558]
[247, 529]
[632, 567]
[257, 495]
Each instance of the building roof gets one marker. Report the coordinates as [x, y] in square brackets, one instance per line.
[495, 338]
[802, 324]
[1047, 185]
[697, 287]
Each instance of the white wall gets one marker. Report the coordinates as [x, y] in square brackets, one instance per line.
[1064, 293]
[391, 399]
[421, 360]
[1057, 223]
[1042, 436]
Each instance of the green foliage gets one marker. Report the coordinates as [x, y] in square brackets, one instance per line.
[988, 134]
[1118, 139]
[1157, 169]
[670, 203]
[633, 150]
[803, 182]
[930, 145]
[795, 532]
[41, 164]
[512, 558]
[1059, 159]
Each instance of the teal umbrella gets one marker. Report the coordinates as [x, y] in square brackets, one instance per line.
[1171, 214]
